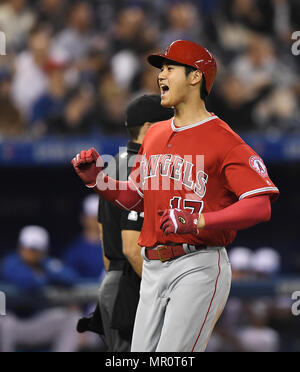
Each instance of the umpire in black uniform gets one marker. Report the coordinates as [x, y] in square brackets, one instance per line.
[119, 292]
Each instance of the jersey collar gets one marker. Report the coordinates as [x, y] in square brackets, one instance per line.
[180, 129]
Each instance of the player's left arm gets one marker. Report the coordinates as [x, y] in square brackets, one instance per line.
[241, 215]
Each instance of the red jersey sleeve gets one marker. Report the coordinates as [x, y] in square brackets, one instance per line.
[246, 174]
[136, 175]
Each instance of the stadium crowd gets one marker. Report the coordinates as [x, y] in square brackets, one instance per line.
[72, 66]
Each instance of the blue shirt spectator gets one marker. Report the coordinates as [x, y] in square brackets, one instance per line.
[48, 271]
[46, 106]
[84, 257]
[84, 254]
[31, 268]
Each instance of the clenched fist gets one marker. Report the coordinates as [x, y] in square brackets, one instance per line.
[88, 164]
[177, 221]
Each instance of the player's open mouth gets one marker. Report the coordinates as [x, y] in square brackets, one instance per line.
[164, 90]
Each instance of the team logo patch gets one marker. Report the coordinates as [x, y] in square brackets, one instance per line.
[258, 165]
[182, 220]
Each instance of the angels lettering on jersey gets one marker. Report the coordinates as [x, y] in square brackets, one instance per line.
[172, 172]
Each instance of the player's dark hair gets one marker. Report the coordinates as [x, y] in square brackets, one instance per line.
[203, 91]
[134, 132]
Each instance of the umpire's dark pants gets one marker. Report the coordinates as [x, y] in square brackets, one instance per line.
[108, 293]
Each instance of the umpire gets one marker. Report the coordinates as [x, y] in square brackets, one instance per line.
[120, 230]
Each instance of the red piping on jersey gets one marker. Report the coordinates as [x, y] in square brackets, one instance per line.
[216, 284]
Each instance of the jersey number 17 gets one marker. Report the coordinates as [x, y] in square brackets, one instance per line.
[195, 206]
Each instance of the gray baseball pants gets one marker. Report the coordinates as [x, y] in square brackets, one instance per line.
[181, 301]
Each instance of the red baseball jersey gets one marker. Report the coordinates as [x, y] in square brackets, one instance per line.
[202, 167]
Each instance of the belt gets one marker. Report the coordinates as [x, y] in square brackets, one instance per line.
[170, 252]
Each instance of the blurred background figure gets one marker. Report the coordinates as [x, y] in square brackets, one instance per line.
[16, 20]
[75, 40]
[235, 104]
[30, 80]
[11, 120]
[234, 316]
[52, 12]
[73, 118]
[257, 335]
[30, 324]
[183, 22]
[84, 254]
[266, 263]
[49, 105]
[241, 260]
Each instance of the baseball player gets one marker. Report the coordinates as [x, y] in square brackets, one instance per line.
[198, 183]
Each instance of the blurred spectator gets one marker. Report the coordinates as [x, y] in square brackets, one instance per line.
[245, 324]
[16, 20]
[52, 12]
[74, 119]
[280, 111]
[146, 83]
[225, 336]
[84, 254]
[31, 270]
[130, 31]
[105, 45]
[108, 110]
[130, 65]
[286, 19]
[258, 336]
[232, 102]
[258, 66]
[266, 262]
[247, 97]
[75, 40]
[183, 23]
[131, 37]
[256, 15]
[30, 79]
[11, 121]
[241, 260]
[93, 66]
[51, 103]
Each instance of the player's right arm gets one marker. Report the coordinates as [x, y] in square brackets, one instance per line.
[131, 250]
[124, 194]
